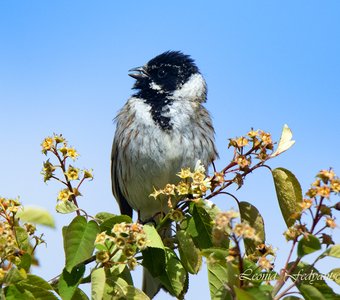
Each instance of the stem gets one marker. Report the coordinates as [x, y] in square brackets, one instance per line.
[232, 196]
[56, 178]
[240, 258]
[81, 181]
[296, 262]
[68, 183]
[317, 216]
[163, 221]
[230, 182]
[285, 292]
[232, 164]
[219, 190]
[319, 231]
[311, 213]
[35, 246]
[283, 274]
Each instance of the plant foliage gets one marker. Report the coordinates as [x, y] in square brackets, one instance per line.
[239, 260]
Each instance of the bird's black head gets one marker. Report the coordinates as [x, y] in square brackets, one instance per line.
[164, 74]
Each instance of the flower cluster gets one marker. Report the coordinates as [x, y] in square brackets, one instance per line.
[317, 203]
[196, 184]
[226, 229]
[326, 183]
[121, 245]
[14, 237]
[256, 144]
[58, 146]
[8, 243]
[295, 231]
[225, 226]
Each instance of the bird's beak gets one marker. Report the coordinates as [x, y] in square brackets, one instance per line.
[138, 73]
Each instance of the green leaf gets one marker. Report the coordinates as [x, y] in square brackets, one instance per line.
[154, 260]
[126, 291]
[209, 206]
[251, 215]
[122, 290]
[200, 227]
[22, 238]
[102, 216]
[244, 295]
[154, 239]
[36, 215]
[37, 281]
[38, 292]
[107, 224]
[307, 245]
[15, 292]
[69, 281]
[113, 286]
[289, 194]
[174, 277]
[221, 275]
[305, 274]
[79, 295]
[334, 275]
[262, 292]
[32, 287]
[133, 293]
[126, 275]
[25, 262]
[285, 141]
[333, 251]
[217, 254]
[309, 292]
[154, 255]
[14, 275]
[79, 239]
[98, 279]
[190, 256]
[292, 298]
[217, 284]
[66, 207]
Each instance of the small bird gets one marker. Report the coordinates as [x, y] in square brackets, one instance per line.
[162, 128]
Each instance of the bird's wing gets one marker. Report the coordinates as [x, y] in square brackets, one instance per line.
[125, 208]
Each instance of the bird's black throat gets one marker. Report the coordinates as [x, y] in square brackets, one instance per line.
[159, 103]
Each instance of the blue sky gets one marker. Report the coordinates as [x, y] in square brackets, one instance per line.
[63, 69]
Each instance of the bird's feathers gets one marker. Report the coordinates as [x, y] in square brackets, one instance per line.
[162, 128]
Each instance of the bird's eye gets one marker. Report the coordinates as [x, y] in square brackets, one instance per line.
[161, 73]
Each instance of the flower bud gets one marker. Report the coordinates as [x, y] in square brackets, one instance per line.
[88, 174]
[63, 150]
[325, 210]
[132, 263]
[59, 138]
[102, 256]
[177, 215]
[129, 251]
[327, 239]
[337, 206]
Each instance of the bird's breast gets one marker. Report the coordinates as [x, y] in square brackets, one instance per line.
[155, 155]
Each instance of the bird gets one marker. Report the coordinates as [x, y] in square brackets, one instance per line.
[162, 128]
